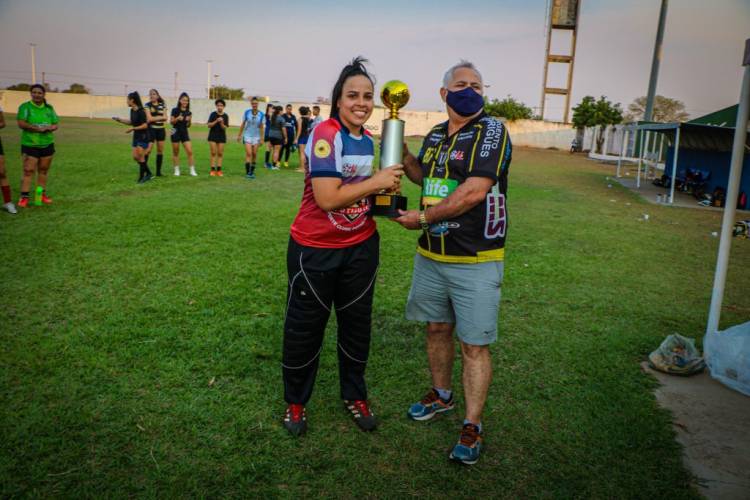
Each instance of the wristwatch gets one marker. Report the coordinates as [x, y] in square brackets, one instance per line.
[423, 220]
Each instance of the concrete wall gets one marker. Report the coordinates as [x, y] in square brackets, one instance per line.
[530, 133]
[541, 134]
[97, 106]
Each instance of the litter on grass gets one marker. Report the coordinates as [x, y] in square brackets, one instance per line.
[677, 355]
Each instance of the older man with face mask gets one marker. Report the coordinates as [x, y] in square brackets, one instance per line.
[462, 168]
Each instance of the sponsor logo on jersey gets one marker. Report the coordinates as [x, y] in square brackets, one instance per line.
[495, 221]
[352, 217]
[457, 155]
[443, 228]
[491, 140]
[322, 148]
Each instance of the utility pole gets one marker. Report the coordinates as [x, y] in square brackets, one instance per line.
[208, 79]
[655, 62]
[33, 62]
[44, 83]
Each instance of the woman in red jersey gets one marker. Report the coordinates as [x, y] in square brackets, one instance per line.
[333, 252]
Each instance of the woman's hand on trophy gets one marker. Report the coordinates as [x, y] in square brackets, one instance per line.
[388, 178]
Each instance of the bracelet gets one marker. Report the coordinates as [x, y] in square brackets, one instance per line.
[423, 220]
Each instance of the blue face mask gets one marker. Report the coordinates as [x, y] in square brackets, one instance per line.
[465, 102]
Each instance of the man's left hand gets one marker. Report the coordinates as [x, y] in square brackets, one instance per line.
[409, 219]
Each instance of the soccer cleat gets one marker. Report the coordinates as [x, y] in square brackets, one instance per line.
[362, 414]
[295, 420]
[10, 208]
[286, 163]
[468, 447]
[23, 202]
[250, 176]
[177, 171]
[268, 165]
[430, 405]
[193, 172]
[219, 173]
[212, 173]
[274, 167]
[46, 199]
[145, 178]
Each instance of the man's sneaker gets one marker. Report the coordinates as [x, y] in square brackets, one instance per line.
[10, 208]
[193, 172]
[468, 447]
[295, 420]
[430, 405]
[177, 171]
[23, 203]
[46, 199]
[362, 414]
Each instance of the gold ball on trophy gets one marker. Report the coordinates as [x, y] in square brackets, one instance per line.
[395, 95]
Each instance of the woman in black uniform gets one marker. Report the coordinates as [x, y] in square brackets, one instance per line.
[156, 115]
[217, 136]
[139, 128]
[303, 132]
[181, 118]
[277, 135]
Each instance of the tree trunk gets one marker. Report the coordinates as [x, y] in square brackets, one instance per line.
[600, 139]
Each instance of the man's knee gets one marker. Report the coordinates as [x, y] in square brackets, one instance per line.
[439, 329]
[474, 352]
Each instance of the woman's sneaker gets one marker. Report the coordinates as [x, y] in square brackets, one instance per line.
[430, 405]
[362, 414]
[295, 420]
[469, 445]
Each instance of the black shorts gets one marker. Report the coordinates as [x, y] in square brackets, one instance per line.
[2, 151]
[156, 134]
[275, 141]
[38, 152]
[220, 138]
[180, 135]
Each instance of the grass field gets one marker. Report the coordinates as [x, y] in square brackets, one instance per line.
[142, 325]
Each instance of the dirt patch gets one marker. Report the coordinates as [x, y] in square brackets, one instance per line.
[713, 425]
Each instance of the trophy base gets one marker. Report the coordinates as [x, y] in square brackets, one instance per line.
[388, 205]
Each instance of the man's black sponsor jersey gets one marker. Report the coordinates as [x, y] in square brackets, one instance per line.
[481, 148]
[157, 110]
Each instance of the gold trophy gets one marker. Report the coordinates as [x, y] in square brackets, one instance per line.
[395, 95]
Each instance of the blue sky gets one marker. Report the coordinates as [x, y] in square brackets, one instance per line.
[294, 49]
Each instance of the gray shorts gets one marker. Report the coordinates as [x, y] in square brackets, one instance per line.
[467, 295]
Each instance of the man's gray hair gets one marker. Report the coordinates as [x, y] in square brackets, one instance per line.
[448, 77]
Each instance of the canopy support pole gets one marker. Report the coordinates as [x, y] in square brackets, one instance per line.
[730, 208]
[674, 165]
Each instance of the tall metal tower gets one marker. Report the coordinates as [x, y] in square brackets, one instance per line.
[563, 16]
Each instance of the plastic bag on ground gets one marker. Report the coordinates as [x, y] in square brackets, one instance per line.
[677, 355]
[728, 356]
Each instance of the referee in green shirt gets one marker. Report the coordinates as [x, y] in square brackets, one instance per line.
[38, 121]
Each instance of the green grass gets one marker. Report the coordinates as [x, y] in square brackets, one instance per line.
[142, 332]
